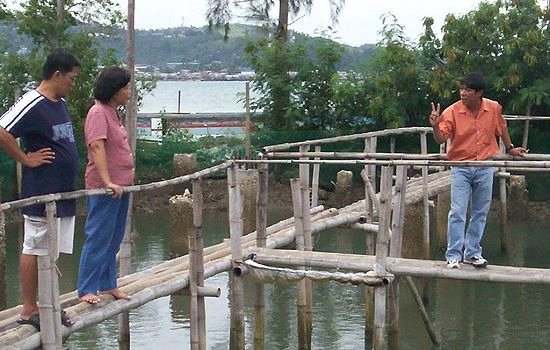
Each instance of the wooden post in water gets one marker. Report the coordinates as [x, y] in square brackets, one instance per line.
[196, 274]
[48, 287]
[396, 248]
[261, 239]
[382, 240]
[130, 123]
[503, 213]
[315, 180]
[301, 297]
[308, 241]
[236, 339]
[366, 174]
[425, 199]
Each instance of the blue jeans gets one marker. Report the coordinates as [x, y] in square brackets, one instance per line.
[477, 184]
[104, 229]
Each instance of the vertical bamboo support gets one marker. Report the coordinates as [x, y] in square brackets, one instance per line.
[130, 124]
[301, 297]
[50, 317]
[261, 240]
[125, 263]
[369, 245]
[382, 240]
[196, 274]
[372, 168]
[236, 339]
[503, 213]
[425, 199]
[315, 181]
[526, 128]
[308, 241]
[396, 248]
[18, 166]
[392, 144]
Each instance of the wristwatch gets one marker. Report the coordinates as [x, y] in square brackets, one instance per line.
[510, 147]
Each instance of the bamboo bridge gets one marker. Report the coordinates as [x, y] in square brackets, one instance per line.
[388, 190]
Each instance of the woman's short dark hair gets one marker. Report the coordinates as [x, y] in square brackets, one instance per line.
[109, 82]
[474, 80]
[59, 60]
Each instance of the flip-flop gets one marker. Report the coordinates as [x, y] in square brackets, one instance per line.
[65, 319]
[33, 320]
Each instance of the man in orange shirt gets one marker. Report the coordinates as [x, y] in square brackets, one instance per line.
[473, 125]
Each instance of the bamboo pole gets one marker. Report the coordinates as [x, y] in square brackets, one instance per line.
[425, 318]
[237, 340]
[261, 238]
[503, 214]
[315, 181]
[196, 274]
[345, 138]
[396, 247]
[382, 240]
[308, 242]
[369, 242]
[425, 200]
[301, 292]
[50, 325]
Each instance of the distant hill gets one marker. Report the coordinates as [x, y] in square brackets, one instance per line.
[195, 48]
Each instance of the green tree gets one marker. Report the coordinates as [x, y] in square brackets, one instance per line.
[509, 41]
[76, 30]
[395, 78]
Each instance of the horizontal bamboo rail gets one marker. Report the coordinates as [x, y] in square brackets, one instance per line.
[135, 188]
[401, 266]
[508, 164]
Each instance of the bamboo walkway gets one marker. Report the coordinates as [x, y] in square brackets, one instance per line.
[381, 211]
[172, 276]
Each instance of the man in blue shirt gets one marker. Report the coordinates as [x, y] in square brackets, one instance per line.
[50, 161]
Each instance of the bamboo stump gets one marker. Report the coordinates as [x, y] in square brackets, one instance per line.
[181, 224]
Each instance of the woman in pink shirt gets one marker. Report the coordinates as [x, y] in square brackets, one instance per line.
[110, 165]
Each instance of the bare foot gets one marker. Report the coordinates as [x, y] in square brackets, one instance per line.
[90, 298]
[117, 293]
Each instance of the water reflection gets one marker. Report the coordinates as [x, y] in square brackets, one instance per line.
[467, 315]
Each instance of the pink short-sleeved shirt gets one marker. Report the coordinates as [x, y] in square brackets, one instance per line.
[103, 123]
[472, 138]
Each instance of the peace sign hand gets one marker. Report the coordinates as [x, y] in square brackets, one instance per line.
[435, 115]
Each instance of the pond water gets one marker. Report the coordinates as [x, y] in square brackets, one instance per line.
[467, 315]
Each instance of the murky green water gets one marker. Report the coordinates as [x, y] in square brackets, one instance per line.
[467, 315]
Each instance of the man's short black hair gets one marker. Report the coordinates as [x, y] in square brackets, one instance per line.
[109, 82]
[59, 60]
[474, 80]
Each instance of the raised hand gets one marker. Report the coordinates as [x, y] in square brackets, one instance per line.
[435, 115]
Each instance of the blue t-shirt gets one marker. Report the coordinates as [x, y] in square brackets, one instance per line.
[41, 122]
